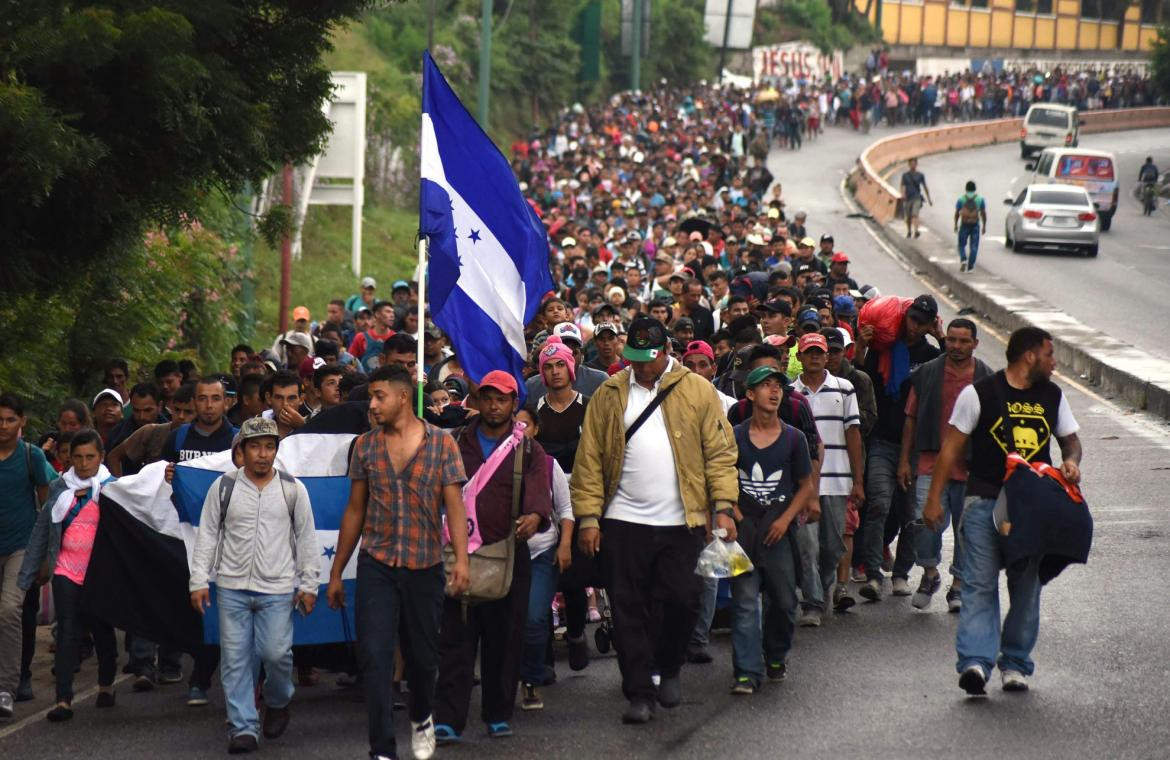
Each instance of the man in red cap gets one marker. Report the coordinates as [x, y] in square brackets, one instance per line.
[822, 544]
[839, 271]
[493, 629]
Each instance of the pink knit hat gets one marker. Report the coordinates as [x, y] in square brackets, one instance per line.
[557, 350]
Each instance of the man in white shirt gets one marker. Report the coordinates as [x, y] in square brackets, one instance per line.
[822, 544]
[657, 460]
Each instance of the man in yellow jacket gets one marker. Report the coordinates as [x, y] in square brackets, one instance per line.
[656, 459]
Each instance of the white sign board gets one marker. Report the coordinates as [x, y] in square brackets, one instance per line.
[743, 18]
[796, 61]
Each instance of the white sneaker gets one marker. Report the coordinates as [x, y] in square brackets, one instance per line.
[422, 739]
[900, 587]
[1013, 680]
[6, 702]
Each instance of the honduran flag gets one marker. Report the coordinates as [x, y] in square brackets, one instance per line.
[139, 569]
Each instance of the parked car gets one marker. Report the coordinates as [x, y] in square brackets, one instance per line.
[1094, 170]
[1052, 217]
[1049, 125]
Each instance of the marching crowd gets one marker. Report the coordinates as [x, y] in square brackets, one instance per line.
[704, 364]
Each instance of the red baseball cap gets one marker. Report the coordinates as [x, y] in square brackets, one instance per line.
[813, 340]
[699, 347]
[505, 383]
[839, 257]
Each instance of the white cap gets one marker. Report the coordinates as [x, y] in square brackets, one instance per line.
[369, 282]
[106, 392]
[568, 331]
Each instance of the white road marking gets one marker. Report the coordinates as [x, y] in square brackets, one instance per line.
[39, 715]
[1134, 423]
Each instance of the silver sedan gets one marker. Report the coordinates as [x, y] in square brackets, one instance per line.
[1053, 217]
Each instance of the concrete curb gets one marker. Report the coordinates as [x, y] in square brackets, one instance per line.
[1117, 368]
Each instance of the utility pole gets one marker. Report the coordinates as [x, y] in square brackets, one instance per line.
[430, 24]
[286, 251]
[636, 48]
[485, 63]
[726, 37]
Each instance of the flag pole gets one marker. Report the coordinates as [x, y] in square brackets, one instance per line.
[422, 297]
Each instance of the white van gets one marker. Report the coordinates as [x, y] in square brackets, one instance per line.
[1094, 170]
[1049, 125]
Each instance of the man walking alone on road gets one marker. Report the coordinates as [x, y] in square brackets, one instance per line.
[979, 418]
[913, 190]
[970, 210]
[653, 509]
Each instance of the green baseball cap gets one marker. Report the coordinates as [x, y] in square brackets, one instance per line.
[646, 339]
[760, 374]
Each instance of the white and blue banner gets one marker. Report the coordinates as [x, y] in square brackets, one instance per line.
[489, 254]
[170, 513]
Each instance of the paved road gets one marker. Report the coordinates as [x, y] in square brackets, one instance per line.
[1123, 291]
[878, 682]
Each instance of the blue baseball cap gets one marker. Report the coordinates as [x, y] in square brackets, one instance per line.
[844, 305]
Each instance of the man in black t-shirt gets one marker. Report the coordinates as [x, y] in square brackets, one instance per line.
[884, 445]
[1037, 412]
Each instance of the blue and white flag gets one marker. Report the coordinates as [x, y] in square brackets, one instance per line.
[137, 578]
[488, 250]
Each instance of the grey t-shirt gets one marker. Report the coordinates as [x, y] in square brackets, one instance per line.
[912, 185]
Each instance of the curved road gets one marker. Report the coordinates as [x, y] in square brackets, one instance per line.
[1123, 292]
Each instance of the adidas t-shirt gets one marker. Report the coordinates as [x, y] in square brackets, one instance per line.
[770, 474]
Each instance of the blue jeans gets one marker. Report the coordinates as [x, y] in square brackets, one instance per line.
[708, 598]
[928, 543]
[779, 584]
[747, 639]
[968, 237]
[254, 629]
[979, 640]
[822, 545]
[881, 483]
[534, 668]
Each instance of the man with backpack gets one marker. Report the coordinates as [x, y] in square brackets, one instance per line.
[24, 483]
[367, 344]
[257, 533]
[970, 216]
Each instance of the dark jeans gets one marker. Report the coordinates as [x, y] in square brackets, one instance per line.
[206, 663]
[71, 621]
[583, 573]
[396, 606]
[654, 593]
[28, 630]
[493, 629]
[148, 659]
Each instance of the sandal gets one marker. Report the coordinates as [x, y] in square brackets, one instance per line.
[444, 734]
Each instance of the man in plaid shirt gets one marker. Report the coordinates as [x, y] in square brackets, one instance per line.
[402, 473]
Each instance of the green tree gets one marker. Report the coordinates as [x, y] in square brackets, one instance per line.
[117, 115]
[1160, 62]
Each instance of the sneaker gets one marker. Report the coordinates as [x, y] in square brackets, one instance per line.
[578, 653]
[887, 561]
[197, 697]
[973, 681]
[1013, 680]
[743, 686]
[59, 714]
[500, 730]
[900, 586]
[143, 683]
[242, 744]
[594, 615]
[639, 711]
[809, 619]
[857, 575]
[173, 676]
[670, 692]
[927, 588]
[777, 671]
[530, 698]
[24, 692]
[962, 266]
[954, 599]
[872, 590]
[842, 599]
[105, 699]
[422, 739]
[6, 703]
[275, 721]
[697, 655]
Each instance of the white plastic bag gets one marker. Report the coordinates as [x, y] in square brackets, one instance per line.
[723, 559]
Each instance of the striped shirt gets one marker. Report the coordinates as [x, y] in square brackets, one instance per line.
[834, 406]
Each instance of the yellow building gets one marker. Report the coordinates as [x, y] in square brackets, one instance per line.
[1068, 25]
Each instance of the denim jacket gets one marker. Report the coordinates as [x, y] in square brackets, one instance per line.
[45, 541]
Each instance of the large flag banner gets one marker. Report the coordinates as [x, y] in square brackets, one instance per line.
[138, 573]
[488, 250]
